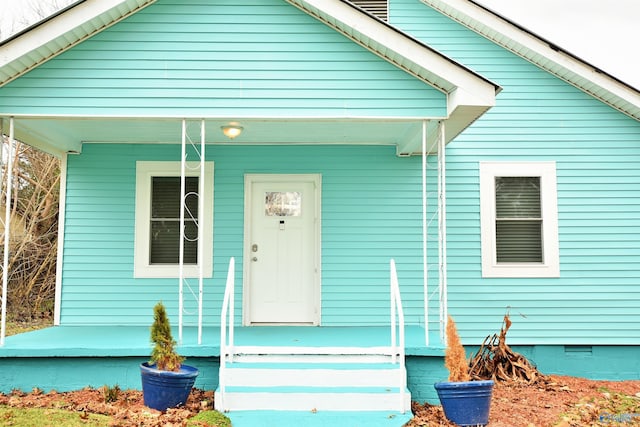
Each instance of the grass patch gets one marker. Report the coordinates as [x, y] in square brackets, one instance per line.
[33, 417]
[209, 419]
[15, 328]
[607, 410]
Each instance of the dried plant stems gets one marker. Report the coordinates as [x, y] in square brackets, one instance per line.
[455, 359]
[497, 361]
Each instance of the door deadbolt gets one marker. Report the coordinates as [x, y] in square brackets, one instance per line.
[254, 248]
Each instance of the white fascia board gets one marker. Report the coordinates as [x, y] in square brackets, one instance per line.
[61, 32]
[400, 49]
[540, 53]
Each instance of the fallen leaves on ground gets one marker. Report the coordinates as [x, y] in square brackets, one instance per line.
[126, 410]
[558, 402]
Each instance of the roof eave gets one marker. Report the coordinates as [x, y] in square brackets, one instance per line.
[543, 54]
[469, 94]
[59, 32]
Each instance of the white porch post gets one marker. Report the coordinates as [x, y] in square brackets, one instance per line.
[424, 233]
[442, 230]
[201, 220]
[62, 208]
[183, 160]
[7, 228]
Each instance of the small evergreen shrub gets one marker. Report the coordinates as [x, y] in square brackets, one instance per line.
[164, 355]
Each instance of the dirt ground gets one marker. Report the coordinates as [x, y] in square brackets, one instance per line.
[559, 402]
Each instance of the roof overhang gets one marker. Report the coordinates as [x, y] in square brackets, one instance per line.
[59, 135]
[35, 45]
[542, 53]
[469, 95]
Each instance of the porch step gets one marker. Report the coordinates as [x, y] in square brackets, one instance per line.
[315, 398]
[312, 374]
[313, 383]
[318, 419]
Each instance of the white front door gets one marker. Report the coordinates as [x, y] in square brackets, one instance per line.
[282, 249]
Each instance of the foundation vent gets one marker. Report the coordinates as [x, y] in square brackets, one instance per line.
[578, 350]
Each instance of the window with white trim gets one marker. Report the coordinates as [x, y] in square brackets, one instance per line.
[157, 226]
[519, 219]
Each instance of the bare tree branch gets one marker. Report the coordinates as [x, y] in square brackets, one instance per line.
[33, 233]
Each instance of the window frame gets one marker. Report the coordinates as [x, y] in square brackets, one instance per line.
[145, 171]
[546, 171]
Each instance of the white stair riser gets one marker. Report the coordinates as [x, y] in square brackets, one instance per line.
[235, 401]
[324, 351]
[311, 358]
[313, 377]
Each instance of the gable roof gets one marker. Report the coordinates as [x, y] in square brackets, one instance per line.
[82, 19]
[469, 94]
[542, 53]
[59, 32]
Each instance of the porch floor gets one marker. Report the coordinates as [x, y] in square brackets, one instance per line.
[125, 341]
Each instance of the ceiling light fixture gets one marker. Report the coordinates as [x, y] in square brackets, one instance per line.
[232, 130]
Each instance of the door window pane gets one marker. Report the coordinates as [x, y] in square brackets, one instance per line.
[283, 203]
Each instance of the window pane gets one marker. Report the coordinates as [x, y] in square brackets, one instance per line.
[518, 221]
[165, 237]
[165, 196]
[283, 203]
[165, 220]
[518, 197]
[519, 241]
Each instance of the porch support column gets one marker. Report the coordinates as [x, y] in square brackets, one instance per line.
[424, 233]
[7, 229]
[201, 220]
[62, 209]
[183, 161]
[442, 231]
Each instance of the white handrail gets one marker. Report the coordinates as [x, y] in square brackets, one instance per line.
[226, 347]
[397, 337]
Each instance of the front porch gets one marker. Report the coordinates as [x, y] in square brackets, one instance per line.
[133, 341]
[71, 357]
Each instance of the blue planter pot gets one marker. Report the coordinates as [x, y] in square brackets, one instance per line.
[165, 389]
[466, 403]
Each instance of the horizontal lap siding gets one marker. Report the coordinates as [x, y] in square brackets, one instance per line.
[596, 300]
[371, 212]
[220, 58]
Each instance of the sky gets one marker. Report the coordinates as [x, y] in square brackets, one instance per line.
[604, 33]
[601, 32]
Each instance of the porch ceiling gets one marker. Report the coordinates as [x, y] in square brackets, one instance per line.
[57, 135]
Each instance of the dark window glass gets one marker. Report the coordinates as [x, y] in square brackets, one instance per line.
[165, 220]
[518, 220]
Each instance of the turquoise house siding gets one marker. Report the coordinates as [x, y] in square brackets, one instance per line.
[371, 212]
[223, 58]
[597, 153]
